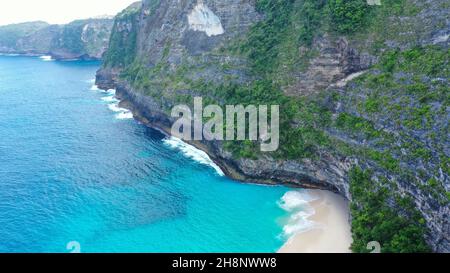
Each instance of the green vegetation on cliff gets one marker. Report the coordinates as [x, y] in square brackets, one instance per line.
[398, 229]
[122, 43]
[71, 37]
[10, 34]
[348, 16]
[410, 87]
[84, 36]
[273, 42]
[78, 39]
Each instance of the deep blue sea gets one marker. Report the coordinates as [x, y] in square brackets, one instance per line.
[76, 168]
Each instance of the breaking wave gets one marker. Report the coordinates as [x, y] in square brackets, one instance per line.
[94, 88]
[297, 204]
[46, 58]
[192, 152]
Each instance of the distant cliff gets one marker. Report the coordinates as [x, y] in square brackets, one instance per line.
[362, 89]
[81, 39]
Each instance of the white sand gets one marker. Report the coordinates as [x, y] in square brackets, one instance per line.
[333, 234]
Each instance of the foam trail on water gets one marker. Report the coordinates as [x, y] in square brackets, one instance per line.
[192, 152]
[46, 58]
[297, 203]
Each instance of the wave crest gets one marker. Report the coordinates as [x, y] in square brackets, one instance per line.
[297, 203]
[46, 58]
[192, 152]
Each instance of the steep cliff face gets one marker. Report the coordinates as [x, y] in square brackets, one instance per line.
[363, 92]
[11, 34]
[123, 40]
[82, 39]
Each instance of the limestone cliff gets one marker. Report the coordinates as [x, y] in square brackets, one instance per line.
[360, 87]
[81, 39]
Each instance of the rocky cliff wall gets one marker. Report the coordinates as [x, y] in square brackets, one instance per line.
[82, 39]
[391, 117]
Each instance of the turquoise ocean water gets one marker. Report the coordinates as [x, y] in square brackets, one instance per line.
[75, 167]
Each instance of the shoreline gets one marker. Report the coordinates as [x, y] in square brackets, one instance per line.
[229, 168]
[53, 56]
[332, 212]
[332, 230]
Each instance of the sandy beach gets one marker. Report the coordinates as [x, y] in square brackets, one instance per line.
[332, 233]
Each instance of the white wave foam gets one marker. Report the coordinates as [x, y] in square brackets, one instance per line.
[115, 108]
[192, 152]
[299, 223]
[125, 115]
[91, 81]
[294, 200]
[9, 54]
[297, 203]
[110, 92]
[113, 105]
[46, 58]
[94, 88]
[122, 112]
[111, 99]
